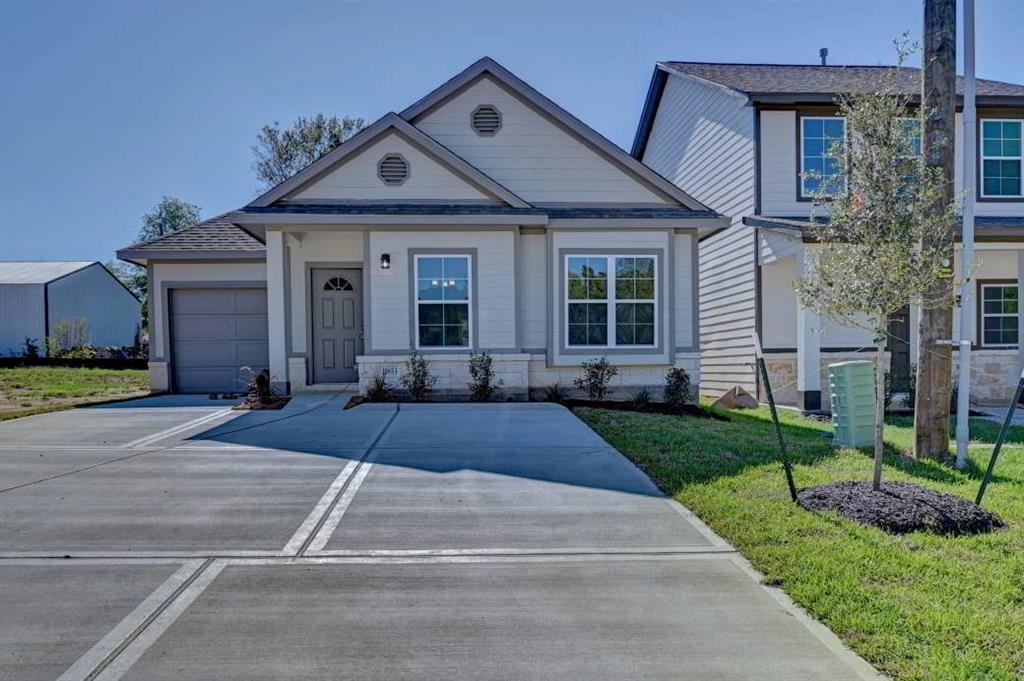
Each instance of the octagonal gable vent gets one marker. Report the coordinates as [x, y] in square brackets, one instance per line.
[393, 169]
[486, 120]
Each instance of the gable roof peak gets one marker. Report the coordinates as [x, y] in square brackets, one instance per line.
[554, 112]
[389, 122]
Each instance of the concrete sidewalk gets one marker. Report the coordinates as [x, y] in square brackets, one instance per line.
[180, 542]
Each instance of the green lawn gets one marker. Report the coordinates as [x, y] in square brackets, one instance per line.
[917, 606]
[34, 390]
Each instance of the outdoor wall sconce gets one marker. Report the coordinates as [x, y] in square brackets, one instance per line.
[385, 261]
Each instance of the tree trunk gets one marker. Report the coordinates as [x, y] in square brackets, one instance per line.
[935, 364]
[876, 480]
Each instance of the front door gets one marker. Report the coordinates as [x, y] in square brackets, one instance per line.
[337, 324]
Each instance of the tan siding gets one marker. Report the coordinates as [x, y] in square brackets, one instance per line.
[727, 311]
[533, 261]
[530, 155]
[703, 140]
[357, 178]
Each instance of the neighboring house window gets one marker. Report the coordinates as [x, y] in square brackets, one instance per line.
[912, 130]
[999, 310]
[611, 300]
[443, 297]
[819, 169]
[1001, 158]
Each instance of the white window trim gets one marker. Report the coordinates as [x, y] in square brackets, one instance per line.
[982, 158]
[800, 134]
[611, 300]
[919, 131]
[981, 319]
[468, 301]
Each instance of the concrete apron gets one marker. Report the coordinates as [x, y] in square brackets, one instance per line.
[435, 541]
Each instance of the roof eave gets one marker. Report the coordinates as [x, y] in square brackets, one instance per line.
[270, 219]
[141, 256]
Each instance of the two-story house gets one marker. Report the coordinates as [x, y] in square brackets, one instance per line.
[742, 138]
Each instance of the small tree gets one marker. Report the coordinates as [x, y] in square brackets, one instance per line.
[870, 260]
[280, 153]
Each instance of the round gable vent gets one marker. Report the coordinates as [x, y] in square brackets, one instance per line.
[486, 120]
[393, 169]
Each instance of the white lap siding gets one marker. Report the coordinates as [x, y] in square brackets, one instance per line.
[494, 292]
[163, 277]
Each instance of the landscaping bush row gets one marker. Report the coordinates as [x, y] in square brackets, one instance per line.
[418, 381]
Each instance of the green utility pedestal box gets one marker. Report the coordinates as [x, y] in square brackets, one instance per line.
[851, 389]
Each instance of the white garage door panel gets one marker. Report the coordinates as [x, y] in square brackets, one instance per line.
[215, 334]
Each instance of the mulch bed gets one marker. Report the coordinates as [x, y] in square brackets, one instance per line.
[901, 507]
[255, 405]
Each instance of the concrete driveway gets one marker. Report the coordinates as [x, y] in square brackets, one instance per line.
[170, 538]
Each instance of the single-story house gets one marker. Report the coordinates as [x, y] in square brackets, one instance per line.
[484, 217]
[35, 297]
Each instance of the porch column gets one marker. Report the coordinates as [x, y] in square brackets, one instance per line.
[275, 310]
[808, 347]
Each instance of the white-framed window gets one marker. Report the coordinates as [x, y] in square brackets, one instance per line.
[999, 311]
[819, 168]
[1002, 158]
[444, 297]
[611, 301]
[911, 128]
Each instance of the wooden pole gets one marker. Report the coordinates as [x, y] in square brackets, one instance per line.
[938, 97]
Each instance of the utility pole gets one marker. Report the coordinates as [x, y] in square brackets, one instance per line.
[938, 97]
[963, 404]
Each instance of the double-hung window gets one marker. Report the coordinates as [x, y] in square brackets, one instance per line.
[611, 300]
[443, 301]
[821, 138]
[910, 128]
[1001, 158]
[999, 310]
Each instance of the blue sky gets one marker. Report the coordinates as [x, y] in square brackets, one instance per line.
[106, 107]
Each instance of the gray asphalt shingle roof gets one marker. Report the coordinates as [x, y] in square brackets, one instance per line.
[766, 79]
[215, 234]
[38, 271]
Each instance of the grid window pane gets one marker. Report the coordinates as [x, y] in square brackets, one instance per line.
[999, 311]
[443, 295]
[1002, 158]
[821, 141]
[610, 295]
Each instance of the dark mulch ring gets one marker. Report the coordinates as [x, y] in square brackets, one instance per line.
[253, 404]
[901, 507]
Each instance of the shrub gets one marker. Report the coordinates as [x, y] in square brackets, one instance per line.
[554, 393]
[30, 348]
[258, 388]
[678, 388]
[641, 399]
[482, 384]
[378, 389]
[70, 339]
[597, 375]
[418, 379]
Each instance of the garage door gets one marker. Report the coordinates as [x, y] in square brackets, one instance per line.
[214, 334]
